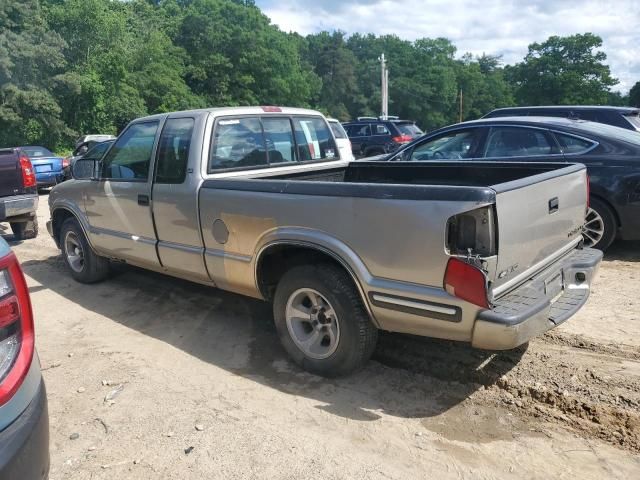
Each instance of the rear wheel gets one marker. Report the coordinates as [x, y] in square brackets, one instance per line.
[600, 225]
[85, 266]
[321, 320]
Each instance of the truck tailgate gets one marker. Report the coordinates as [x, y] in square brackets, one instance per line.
[10, 173]
[537, 223]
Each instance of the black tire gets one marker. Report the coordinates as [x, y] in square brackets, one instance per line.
[25, 230]
[93, 268]
[608, 221]
[358, 336]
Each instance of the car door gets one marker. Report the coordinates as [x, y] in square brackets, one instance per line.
[359, 135]
[457, 144]
[175, 197]
[118, 204]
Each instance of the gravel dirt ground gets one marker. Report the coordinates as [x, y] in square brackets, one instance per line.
[152, 377]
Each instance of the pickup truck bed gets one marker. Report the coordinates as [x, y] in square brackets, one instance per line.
[486, 253]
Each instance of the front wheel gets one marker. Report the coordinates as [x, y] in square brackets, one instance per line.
[600, 225]
[83, 263]
[322, 322]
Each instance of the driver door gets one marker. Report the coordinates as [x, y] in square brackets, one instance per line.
[118, 204]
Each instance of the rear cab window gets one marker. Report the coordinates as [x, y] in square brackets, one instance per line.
[247, 142]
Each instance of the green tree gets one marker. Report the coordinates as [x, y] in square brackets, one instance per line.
[634, 95]
[563, 70]
[30, 55]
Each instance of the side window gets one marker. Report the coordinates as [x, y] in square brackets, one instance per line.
[173, 150]
[457, 145]
[130, 156]
[280, 144]
[237, 142]
[571, 144]
[380, 129]
[517, 142]
[359, 130]
[314, 139]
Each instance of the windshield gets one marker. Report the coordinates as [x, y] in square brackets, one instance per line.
[634, 120]
[618, 133]
[35, 152]
[337, 129]
[409, 129]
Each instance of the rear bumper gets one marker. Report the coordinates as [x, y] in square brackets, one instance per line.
[534, 307]
[48, 179]
[17, 205]
[24, 445]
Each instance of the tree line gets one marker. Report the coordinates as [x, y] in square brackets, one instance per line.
[70, 67]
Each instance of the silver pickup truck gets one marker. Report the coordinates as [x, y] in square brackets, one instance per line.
[257, 201]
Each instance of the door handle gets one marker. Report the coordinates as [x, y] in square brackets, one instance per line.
[143, 200]
[554, 204]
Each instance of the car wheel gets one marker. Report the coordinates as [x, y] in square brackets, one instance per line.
[85, 266]
[600, 225]
[322, 322]
[25, 230]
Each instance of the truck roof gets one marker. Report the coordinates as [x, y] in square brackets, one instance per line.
[257, 110]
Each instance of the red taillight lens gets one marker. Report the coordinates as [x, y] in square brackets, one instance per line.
[467, 282]
[28, 175]
[402, 139]
[16, 328]
[66, 161]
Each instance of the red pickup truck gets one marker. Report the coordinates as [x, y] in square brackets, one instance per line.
[18, 193]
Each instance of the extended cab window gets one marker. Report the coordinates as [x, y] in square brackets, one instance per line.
[314, 139]
[456, 145]
[130, 156]
[517, 142]
[238, 142]
[173, 150]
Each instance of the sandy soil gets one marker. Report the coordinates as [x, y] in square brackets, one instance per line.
[160, 378]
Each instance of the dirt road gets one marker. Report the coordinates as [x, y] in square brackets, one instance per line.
[165, 379]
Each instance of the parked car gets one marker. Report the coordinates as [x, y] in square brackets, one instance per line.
[623, 117]
[93, 138]
[18, 193]
[372, 136]
[340, 248]
[342, 139]
[611, 154]
[95, 153]
[24, 417]
[48, 166]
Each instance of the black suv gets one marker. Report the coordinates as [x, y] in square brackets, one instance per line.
[623, 117]
[373, 136]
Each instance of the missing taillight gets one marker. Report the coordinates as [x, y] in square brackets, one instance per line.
[472, 233]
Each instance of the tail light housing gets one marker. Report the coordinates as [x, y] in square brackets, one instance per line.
[28, 175]
[16, 328]
[402, 138]
[467, 282]
[66, 161]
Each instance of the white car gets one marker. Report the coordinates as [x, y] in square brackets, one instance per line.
[342, 139]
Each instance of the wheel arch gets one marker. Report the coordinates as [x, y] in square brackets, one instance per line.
[277, 257]
[602, 199]
[59, 216]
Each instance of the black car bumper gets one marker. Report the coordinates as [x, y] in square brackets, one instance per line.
[24, 445]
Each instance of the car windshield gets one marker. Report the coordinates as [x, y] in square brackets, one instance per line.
[35, 152]
[337, 130]
[618, 133]
[409, 129]
[634, 120]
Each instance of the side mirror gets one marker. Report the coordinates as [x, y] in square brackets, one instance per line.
[85, 169]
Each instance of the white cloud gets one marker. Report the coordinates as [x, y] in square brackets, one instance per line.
[503, 27]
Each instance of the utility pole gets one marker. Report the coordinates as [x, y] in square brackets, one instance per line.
[384, 84]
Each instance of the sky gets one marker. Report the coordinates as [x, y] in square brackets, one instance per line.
[502, 27]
